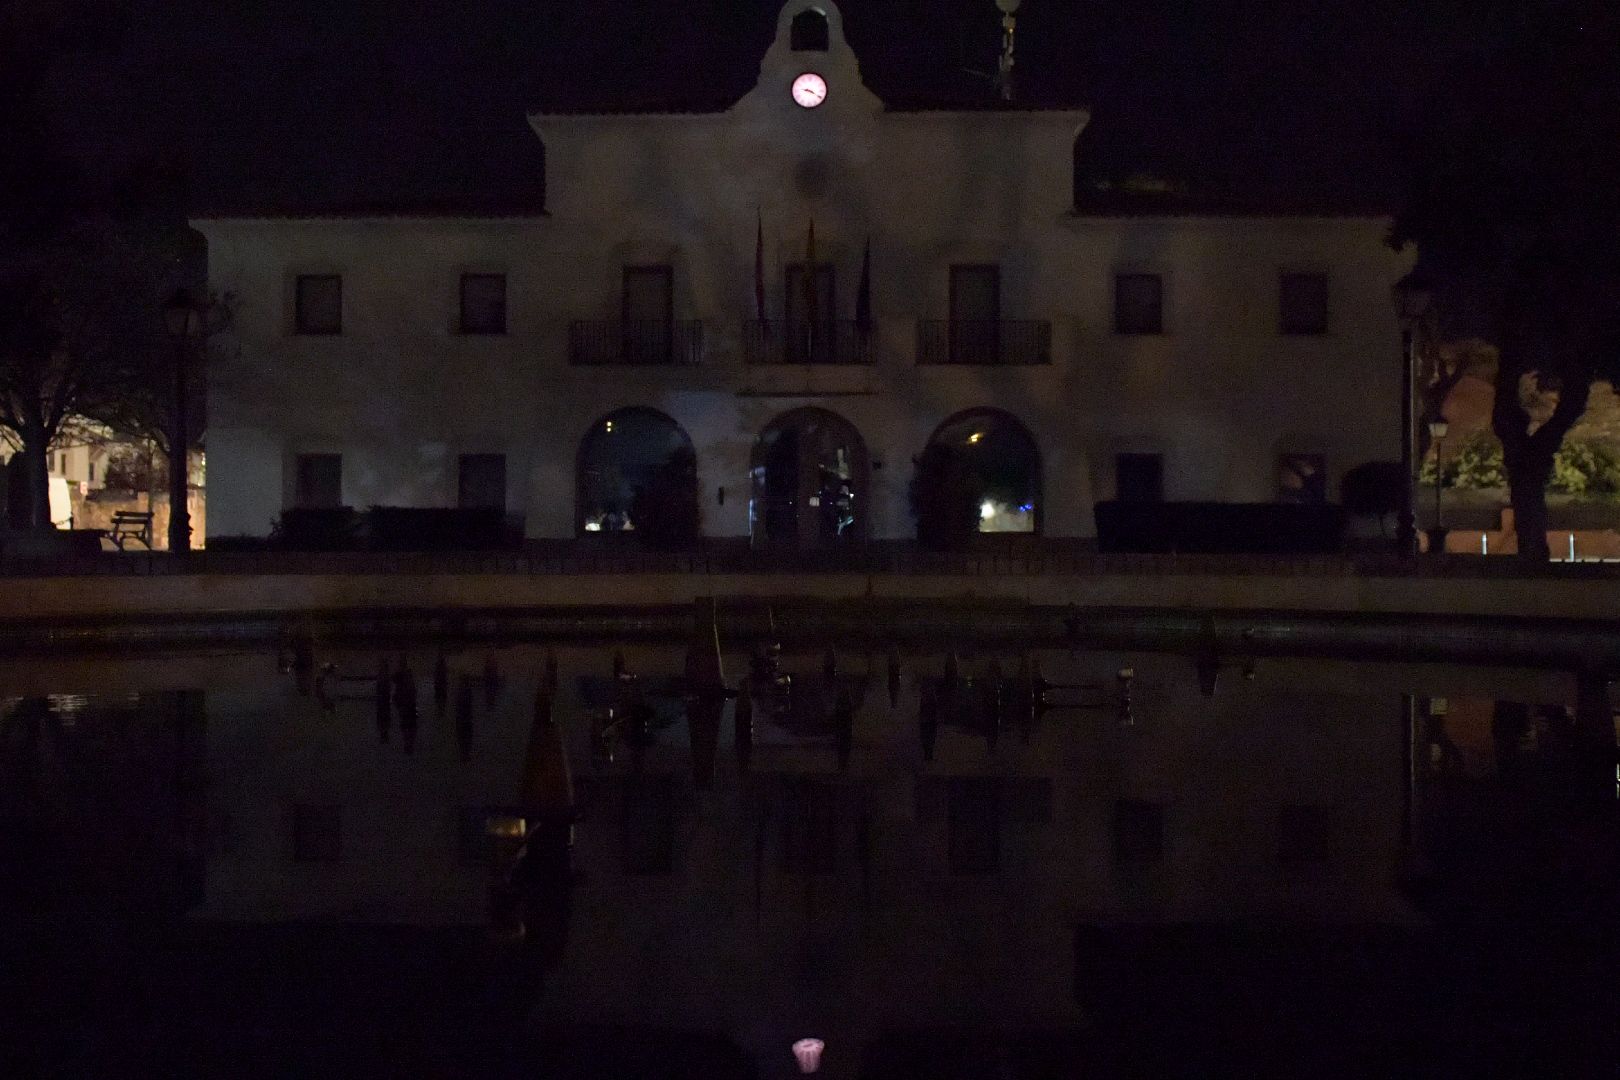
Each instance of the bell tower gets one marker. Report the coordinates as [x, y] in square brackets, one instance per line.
[809, 66]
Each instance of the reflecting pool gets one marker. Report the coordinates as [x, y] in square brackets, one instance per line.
[471, 859]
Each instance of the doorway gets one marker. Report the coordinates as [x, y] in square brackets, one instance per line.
[811, 475]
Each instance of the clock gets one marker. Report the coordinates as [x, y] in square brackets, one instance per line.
[809, 90]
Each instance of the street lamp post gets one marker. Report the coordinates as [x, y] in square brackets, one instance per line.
[1437, 535]
[1413, 299]
[182, 317]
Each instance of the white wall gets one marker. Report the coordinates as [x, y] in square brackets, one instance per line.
[400, 394]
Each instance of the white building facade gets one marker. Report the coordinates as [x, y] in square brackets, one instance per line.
[431, 360]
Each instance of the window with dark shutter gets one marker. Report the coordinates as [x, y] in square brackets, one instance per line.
[482, 482]
[320, 481]
[483, 303]
[1302, 301]
[318, 304]
[1138, 304]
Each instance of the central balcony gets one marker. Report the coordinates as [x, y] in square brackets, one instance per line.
[988, 342]
[648, 342]
[829, 341]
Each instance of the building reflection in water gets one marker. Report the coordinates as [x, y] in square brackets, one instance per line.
[856, 845]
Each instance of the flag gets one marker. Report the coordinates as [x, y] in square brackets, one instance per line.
[759, 270]
[863, 298]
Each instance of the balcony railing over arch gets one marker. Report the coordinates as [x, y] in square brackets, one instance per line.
[828, 341]
[636, 342]
[990, 342]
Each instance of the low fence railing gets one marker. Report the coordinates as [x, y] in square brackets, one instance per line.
[828, 341]
[638, 342]
[987, 342]
[736, 557]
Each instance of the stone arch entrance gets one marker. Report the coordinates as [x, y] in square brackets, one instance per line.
[811, 476]
[1001, 464]
[636, 473]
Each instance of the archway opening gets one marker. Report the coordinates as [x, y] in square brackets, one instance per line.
[980, 472]
[811, 474]
[637, 474]
[809, 32]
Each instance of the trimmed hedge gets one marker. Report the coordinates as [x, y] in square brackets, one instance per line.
[392, 528]
[1220, 528]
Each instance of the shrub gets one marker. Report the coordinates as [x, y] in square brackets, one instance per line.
[1585, 468]
[411, 528]
[1372, 488]
[310, 529]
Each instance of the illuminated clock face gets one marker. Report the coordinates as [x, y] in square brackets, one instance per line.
[809, 90]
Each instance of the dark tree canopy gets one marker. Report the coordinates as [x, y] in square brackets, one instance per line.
[1514, 208]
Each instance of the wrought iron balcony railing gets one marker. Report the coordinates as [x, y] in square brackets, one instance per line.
[645, 341]
[828, 341]
[991, 342]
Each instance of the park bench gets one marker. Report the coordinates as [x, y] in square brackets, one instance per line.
[128, 525]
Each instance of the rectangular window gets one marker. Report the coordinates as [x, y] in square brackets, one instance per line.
[317, 833]
[649, 314]
[1304, 833]
[92, 471]
[483, 303]
[320, 481]
[1301, 478]
[318, 304]
[1302, 301]
[1139, 478]
[1138, 833]
[482, 482]
[647, 838]
[973, 819]
[975, 315]
[1138, 304]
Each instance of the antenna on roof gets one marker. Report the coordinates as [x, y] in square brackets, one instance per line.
[1004, 68]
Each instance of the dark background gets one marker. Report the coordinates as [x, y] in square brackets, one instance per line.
[315, 105]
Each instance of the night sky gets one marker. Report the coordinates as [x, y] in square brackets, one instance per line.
[353, 105]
